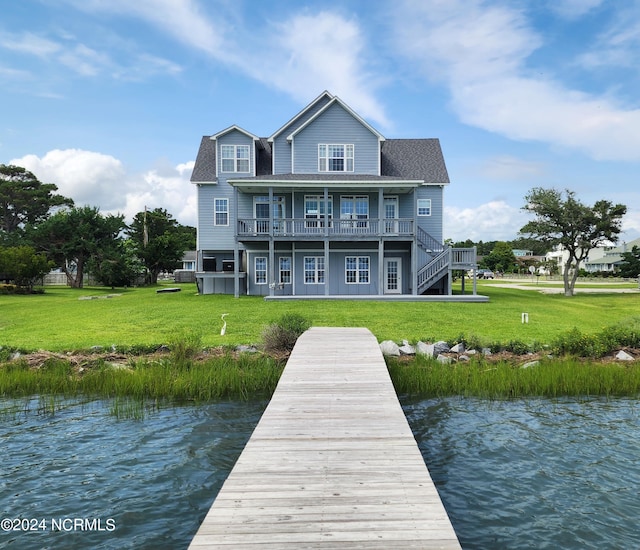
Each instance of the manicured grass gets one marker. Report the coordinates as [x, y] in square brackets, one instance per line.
[59, 320]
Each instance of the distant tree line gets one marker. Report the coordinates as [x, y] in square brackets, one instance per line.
[41, 230]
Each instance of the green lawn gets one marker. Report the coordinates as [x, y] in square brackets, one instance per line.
[59, 320]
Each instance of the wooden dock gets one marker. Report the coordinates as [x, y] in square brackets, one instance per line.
[332, 462]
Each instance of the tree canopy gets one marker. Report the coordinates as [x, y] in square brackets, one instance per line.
[501, 258]
[630, 265]
[563, 220]
[24, 200]
[23, 266]
[160, 241]
[72, 237]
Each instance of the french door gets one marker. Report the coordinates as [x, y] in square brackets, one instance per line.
[391, 215]
[393, 275]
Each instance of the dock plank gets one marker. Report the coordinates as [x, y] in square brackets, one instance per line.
[332, 462]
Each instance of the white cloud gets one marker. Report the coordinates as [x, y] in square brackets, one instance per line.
[480, 52]
[183, 19]
[618, 45]
[492, 221]
[301, 56]
[96, 179]
[84, 60]
[298, 57]
[573, 9]
[29, 43]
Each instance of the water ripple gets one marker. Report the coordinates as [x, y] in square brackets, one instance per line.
[534, 473]
[156, 478]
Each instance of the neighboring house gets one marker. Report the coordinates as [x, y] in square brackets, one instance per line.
[187, 274]
[189, 260]
[325, 206]
[607, 258]
[601, 258]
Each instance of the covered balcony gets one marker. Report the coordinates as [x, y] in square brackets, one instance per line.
[303, 228]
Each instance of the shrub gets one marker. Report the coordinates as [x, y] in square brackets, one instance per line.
[282, 335]
[184, 347]
[575, 342]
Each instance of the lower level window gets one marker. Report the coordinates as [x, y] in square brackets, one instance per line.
[285, 270]
[261, 270]
[357, 270]
[313, 270]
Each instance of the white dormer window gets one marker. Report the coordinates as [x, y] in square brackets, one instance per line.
[235, 158]
[335, 157]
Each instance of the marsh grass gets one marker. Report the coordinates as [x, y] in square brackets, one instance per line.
[551, 378]
[144, 379]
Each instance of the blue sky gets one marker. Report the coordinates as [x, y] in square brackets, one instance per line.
[108, 99]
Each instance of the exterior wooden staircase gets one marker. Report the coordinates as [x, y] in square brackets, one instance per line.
[444, 259]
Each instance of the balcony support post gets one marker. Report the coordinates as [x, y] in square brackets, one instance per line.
[326, 267]
[272, 256]
[326, 212]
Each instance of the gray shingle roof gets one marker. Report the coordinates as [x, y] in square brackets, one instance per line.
[401, 159]
[205, 166]
[414, 159]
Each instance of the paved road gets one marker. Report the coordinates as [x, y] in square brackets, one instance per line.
[558, 288]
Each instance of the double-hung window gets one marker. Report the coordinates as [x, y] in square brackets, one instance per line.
[221, 212]
[284, 270]
[260, 270]
[333, 157]
[424, 207]
[235, 158]
[357, 270]
[314, 270]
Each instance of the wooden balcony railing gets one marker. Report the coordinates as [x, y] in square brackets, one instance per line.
[252, 227]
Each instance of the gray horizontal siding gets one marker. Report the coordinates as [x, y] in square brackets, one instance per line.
[432, 224]
[209, 235]
[282, 148]
[336, 125]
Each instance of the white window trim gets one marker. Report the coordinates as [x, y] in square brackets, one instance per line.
[349, 155]
[316, 271]
[418, 207]
[216, 211]
[255, 270]
[358, 271]
[317, 219]
[235, 159]
[281, 271]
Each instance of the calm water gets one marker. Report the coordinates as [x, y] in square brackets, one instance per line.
[512, 474]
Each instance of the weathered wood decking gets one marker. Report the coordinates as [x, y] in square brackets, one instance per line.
[332, 462]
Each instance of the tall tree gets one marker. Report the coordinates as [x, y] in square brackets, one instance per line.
[561, 219]
[71, 237]
[160, 241]
[24, 200]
